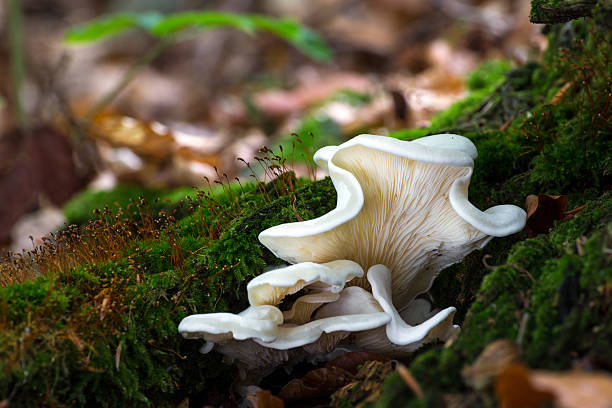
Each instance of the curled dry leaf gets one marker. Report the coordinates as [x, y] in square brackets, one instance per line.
[576, 389]
[519, 387]
[144, 138]
[353, 360]
[515, 390]
[317, 383]
[493, 360]
[543, 210]
[265, 399]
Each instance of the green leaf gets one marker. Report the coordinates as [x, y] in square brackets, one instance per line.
[111, 25]
[204, 19]
[303, 38]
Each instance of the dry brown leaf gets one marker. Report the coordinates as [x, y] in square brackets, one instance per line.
[33, 164]
[494, 359]
[265, 399]
[515, 390]
[560, 94]
[576, 389]
[519, 387]
[351, 361]
[543, 210]
[366, 387]
[145, 139]
[320, 382]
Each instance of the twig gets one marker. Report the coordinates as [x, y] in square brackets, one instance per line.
[127, 77]
[522, 329]
[15, 33]
[409, 380]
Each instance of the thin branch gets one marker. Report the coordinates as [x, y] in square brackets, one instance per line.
[132, 72]
[15, 33]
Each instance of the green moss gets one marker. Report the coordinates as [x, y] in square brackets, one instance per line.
[481, 83]
[559, 11]
[106, 334]
[81, 208]
[555, 148]
[564, 301]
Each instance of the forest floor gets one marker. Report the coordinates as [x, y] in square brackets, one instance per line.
[90, 316]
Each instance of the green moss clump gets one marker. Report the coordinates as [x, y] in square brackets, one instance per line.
[105, 334]
[481, 84]
[560, 288]
[80, 208]
[553, 142]
[559, 11]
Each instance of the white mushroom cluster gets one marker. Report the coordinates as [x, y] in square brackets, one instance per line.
[402, 215]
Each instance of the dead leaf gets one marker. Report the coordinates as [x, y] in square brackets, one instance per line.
[265, 399]
[494, 359]
[576, 389]
[146, 139]
[543, 210]
[366, 387]
[560, 94]
[353, 360]
[279, 103]
[317, 383]
[515, 390]
[519, 387]
[39, 162]
[118, 356]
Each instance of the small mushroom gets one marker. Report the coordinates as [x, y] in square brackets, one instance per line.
[255, 322]
[271, 287]
[242, 336]
[304, 306]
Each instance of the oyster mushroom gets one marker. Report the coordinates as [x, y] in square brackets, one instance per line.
[402, 214]
[263, 325]
[400, 204]
[271, 287]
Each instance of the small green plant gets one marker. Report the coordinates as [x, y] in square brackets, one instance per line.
[171, 28]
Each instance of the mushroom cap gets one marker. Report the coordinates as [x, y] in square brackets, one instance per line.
[399, 338]
[304, 306]
[354, 310]
[255, 322]
[352, 300]
[271, 287]
[291, 336]
[400, 204]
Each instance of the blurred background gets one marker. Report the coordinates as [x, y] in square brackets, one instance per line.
[147, 114]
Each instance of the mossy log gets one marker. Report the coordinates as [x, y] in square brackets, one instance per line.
[547, 293]
[560, 11]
